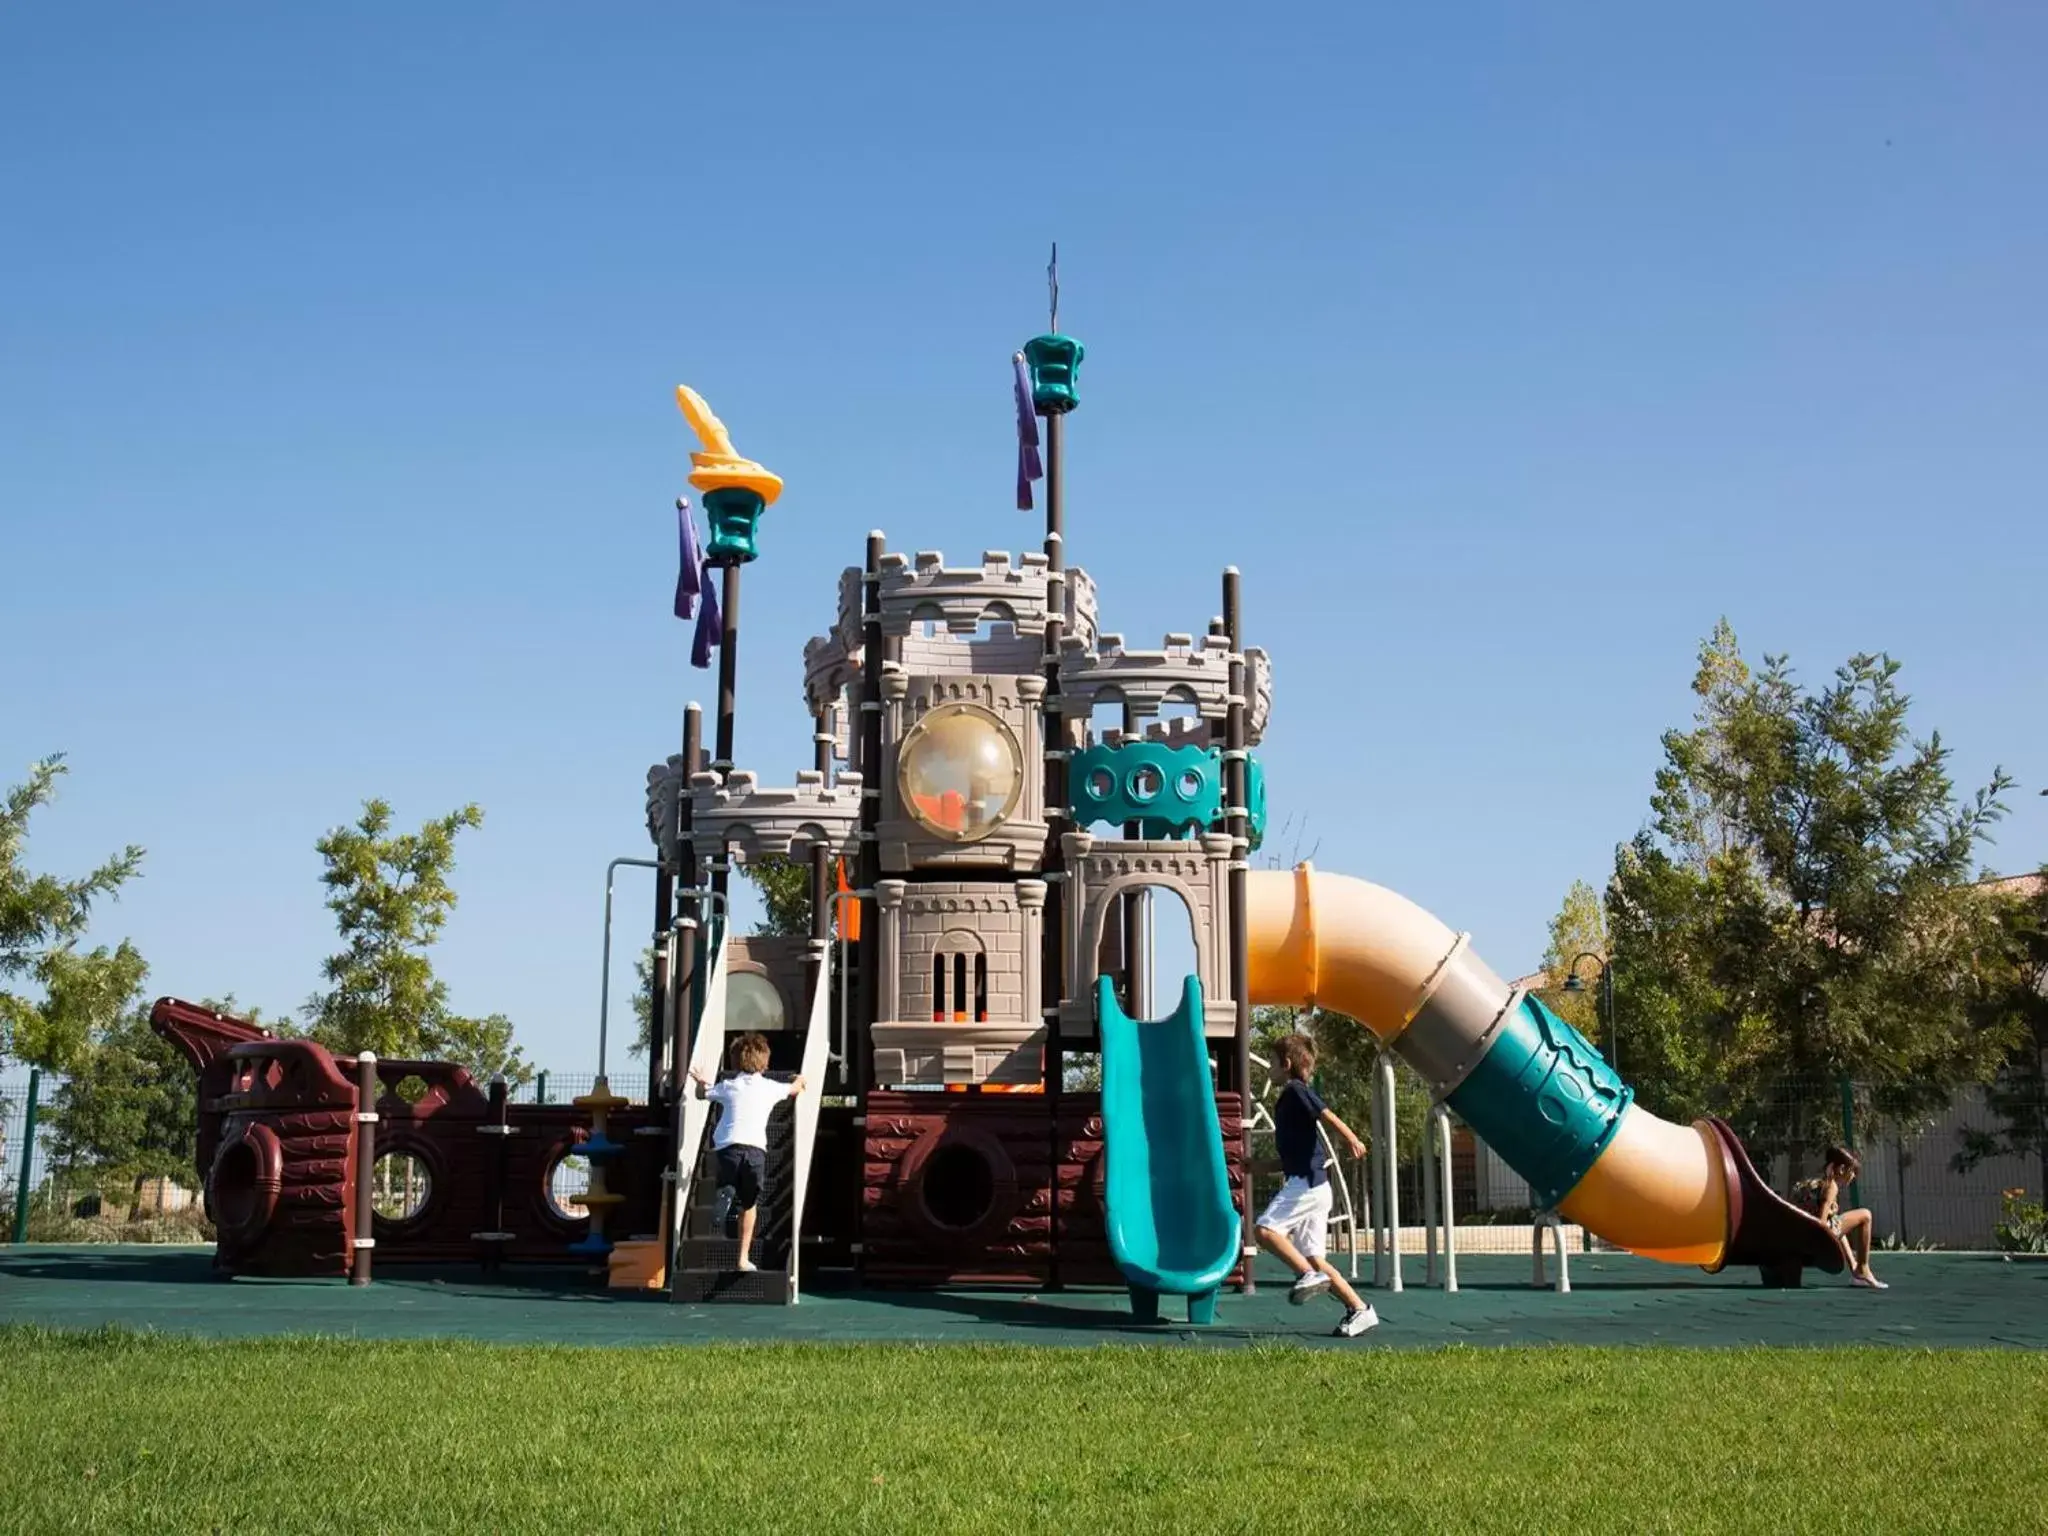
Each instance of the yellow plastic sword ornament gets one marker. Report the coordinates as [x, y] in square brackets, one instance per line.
[718, 466]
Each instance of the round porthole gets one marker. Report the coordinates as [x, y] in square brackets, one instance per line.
[1144, 784]
[959, 1187]
[959, 772]
[1189, 785]
[401, 1185]
[1101, 785]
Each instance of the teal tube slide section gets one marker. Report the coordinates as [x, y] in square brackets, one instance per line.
[1540, 1062]
[1172, 1224]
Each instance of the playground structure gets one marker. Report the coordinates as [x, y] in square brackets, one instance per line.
[998, 790]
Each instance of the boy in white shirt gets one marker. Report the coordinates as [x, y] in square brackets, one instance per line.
[740, 1143]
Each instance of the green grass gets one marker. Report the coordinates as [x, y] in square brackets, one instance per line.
[118, 1431]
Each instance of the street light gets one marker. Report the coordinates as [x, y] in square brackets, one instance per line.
[1573, 983]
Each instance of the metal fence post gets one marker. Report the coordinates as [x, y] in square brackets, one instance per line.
[28, 1156]
[1849, 1135]
[540, 1088]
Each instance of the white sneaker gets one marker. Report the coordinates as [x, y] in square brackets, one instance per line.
[745, 1267]
[1314, 1283]
[1869, 1282]
[1356, 1321]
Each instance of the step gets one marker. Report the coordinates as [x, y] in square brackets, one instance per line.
[763, 1287]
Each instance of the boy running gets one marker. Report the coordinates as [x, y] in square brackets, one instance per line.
[1296, 1223]
[740, 1143]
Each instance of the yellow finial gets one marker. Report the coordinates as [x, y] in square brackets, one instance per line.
[719, 465]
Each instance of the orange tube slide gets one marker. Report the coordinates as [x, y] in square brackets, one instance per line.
[1358, 949]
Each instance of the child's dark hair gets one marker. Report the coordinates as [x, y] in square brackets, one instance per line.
[1842, 1157]
[750, 1053]
[1296, 1054]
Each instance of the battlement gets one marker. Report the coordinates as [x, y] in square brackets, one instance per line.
[986, 619]
[1184, 670]
[751, 822]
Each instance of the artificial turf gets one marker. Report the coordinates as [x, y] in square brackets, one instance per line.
[109, 1430]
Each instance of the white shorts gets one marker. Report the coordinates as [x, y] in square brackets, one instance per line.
[1302, 1215]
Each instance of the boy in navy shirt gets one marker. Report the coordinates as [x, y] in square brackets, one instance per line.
[1296, 1224]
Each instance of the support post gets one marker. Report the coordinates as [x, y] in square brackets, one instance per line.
[856, 1038]
[657, 1011]
[366, 1165]
[1392, 1171]
[683, 981]
[28, 1156]
[1237, 801]
[728, 702]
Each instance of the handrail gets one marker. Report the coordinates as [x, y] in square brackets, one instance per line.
[604, 991]
[817, 1047]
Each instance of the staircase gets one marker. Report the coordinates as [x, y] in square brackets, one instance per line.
[706, 1258]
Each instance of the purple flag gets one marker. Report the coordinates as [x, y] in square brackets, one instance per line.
[709, 625]
[1028, 467]
[689, 582]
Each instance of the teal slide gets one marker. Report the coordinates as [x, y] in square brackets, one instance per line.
[1172, 1224]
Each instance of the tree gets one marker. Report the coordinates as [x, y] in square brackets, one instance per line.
[785, 887]
[391, 896]
[43, 918]
[2017, 1001]
[1579, 928]
[1799, 910]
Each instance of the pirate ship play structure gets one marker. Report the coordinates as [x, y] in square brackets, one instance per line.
[998, 789]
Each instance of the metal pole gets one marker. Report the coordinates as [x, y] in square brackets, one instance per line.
[1441, 1128]
[1237, 800]
[728, 691]
[1053, 957]
[1393, 1165]
[855, 1031]
[604, 991]
[540, 1087]
[1607, 992]
[1849, 1135]
[657, 992]
[683, 984]
[366, 1166]
[28, 1155]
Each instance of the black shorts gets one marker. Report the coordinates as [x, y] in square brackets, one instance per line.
[740, 1169]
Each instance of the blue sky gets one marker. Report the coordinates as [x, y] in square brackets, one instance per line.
[1505, 348]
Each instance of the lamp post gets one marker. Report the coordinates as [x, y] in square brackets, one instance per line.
[1605, 1004]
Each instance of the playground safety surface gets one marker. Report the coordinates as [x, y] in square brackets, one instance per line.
[1936, 1300]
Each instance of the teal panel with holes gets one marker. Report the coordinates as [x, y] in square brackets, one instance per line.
[1168, 791]
[1255, 799]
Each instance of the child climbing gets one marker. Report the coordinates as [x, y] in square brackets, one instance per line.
[1823, 1197]
[740, 1144]
[1295, 1225]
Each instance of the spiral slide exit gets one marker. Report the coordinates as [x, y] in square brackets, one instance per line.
[1527, 1083]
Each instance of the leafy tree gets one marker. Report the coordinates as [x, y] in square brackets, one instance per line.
[2017, 1001]
[43, 918]
[785, 887]
[1579, 928]
[129, 1108]
[1799, 908]
[391, 896]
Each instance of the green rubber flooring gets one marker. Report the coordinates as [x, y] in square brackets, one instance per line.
[1936, 1301]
